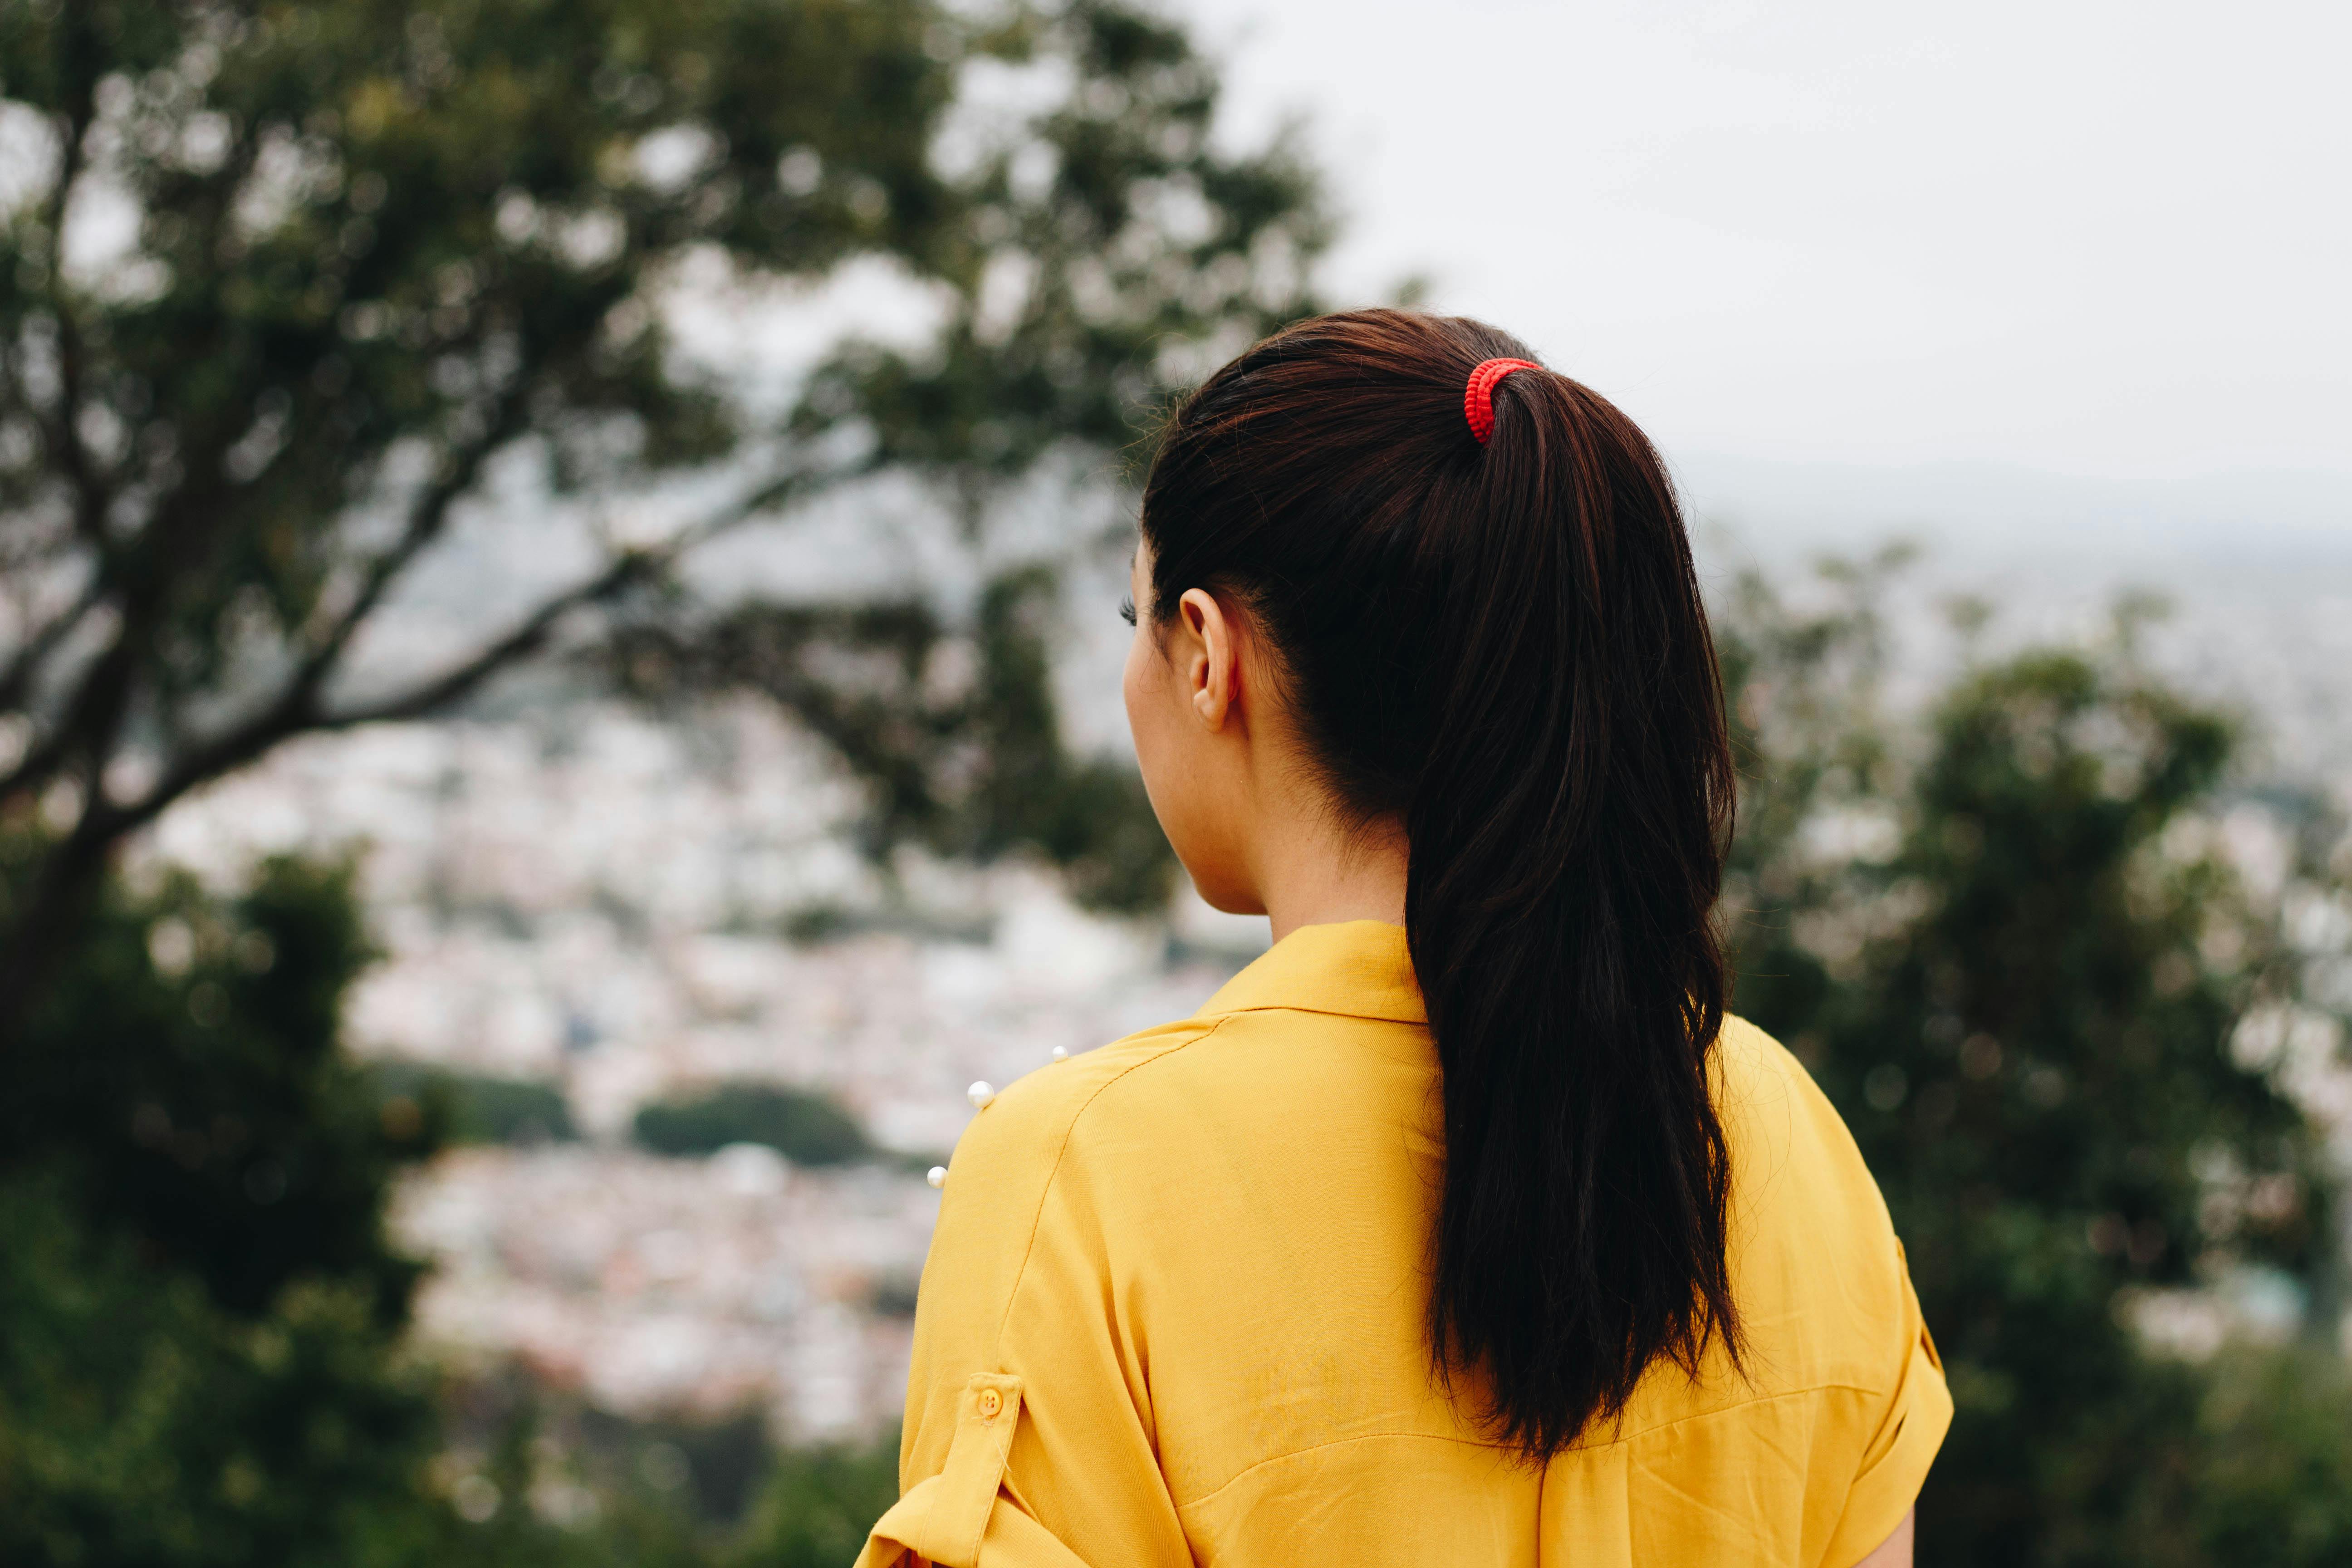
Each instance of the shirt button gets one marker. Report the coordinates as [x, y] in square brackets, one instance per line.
[991, 1401]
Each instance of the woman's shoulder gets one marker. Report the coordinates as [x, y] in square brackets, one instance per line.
[1836, 1367]
[1776, 1116]
[1013, 1155]
[1025, 1131]
[1814, 1250]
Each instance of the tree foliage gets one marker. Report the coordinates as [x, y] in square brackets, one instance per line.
[287, 290]
[294, 295]
[956, 733]
[807, 1127]
[203, 1312]
[2009, 949]
[452, 1107]
[182, 1081]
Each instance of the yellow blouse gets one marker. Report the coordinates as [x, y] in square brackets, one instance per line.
[1174, 1312]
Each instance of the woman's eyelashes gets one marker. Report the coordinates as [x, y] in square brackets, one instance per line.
[1127, 609]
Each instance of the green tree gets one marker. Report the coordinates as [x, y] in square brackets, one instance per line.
[809, 1128]
[183, 1076]
[287, 289]
[292, 295]
[472, 1107]
[972, 766]
[202, 1312]
[817, 1506]
[2009, 951]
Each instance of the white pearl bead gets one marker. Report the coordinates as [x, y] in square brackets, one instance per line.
[937, 1175]
[1061, 1053]
[979, 1094]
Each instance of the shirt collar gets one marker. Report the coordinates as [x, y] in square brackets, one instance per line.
[1358, 968]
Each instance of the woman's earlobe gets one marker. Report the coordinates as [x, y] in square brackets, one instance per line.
[1208, 691]
[1211, 667]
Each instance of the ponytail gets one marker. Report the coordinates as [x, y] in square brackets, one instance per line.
[1501, 647]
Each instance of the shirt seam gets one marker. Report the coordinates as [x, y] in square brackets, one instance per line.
[1036, 1220]
[1250, 1469]
[1616, 1442]
[1224, 1013]
[1812, 1388]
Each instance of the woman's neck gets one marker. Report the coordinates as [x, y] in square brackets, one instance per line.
[1318, 874]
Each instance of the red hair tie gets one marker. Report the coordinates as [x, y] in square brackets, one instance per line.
[1478, 401]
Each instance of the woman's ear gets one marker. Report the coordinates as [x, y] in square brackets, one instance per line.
[1211, 656]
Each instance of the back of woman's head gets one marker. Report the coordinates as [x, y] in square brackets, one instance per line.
[1501, 647]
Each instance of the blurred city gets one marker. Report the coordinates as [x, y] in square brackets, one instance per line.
[559, 648]
[601, 905]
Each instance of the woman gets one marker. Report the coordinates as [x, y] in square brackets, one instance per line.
[1463, 1226]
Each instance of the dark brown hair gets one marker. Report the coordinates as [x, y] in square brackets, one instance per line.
[1503, 648]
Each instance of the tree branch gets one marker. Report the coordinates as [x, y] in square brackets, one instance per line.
[426, 519]
[99, 696]
[526, 639]
[17, 680]
[92, 718]
[63, 427]
[297, 710]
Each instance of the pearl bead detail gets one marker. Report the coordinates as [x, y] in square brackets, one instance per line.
[979, 1094]
[1061, 1053]
[937, 1175]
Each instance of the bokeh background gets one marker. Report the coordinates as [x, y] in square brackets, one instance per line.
[559, 567]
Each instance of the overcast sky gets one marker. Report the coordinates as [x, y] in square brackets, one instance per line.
[2107, 240]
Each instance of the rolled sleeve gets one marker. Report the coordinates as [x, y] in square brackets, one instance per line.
[1028, 1441]
[1919, 1415]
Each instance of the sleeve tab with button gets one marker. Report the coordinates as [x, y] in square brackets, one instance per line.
[943, 1520]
